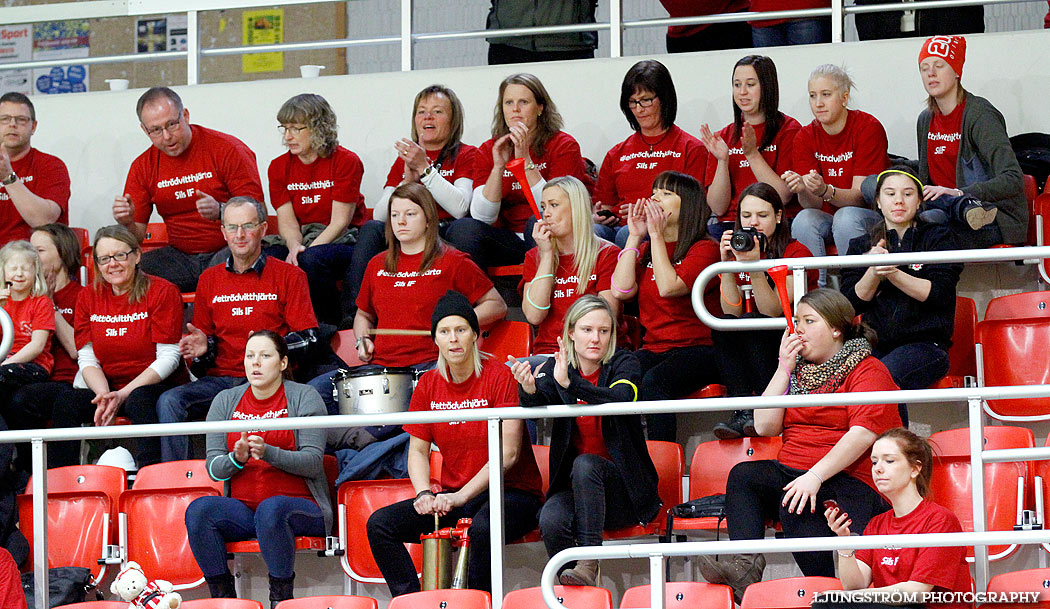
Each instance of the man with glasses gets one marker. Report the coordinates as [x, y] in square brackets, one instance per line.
[250, 291]
[35, 183]
[187, 173]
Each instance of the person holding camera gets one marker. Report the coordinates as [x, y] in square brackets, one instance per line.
[746, 359]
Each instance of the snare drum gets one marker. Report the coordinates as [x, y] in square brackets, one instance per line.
[375, 391]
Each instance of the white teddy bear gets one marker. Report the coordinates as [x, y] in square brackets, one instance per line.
[131, 585]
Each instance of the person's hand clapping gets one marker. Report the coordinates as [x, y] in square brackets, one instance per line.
[522, 372]
[714, 143]
[414, 156]
[522, 138]
[882, 271]
[242, 449]
[256, 447]
[502, 151]
[748, 139]
[636, 219]
[561, 365]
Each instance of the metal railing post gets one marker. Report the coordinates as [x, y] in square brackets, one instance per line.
[980, 553]
[193, 48]
[838, 20]
[657, 581]
[496, 539]
[615, 28]
[406, 35]
[39, 490]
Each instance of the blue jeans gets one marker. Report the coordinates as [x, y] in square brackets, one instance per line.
[914, 366]
[813, 227]
[799, 31]
[613, 234]
[486, 244]
[191, 400]
[212, 522]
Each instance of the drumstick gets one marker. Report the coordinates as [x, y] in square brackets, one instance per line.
[398, 332]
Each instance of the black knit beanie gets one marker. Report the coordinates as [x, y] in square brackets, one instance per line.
[454, 303]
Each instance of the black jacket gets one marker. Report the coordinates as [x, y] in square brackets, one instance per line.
[623, 434]
[897, 318]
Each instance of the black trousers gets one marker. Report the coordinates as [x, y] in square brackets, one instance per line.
[670, 375]
[486, 244]
[715, 37]
[755, 489]
[178, 267]
[30, 407]
[746, 359]
[500, 54]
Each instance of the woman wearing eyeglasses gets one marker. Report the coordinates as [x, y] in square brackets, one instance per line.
[316, 189]
[126, 328]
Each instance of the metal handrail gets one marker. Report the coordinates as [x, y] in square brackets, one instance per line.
[839, 262]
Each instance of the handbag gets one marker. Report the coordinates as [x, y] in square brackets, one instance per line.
[66, 585]
[711, 506]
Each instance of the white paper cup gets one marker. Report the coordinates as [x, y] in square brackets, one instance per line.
[310, 71]
[117, 84]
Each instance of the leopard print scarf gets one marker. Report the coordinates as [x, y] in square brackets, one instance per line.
[829, 376]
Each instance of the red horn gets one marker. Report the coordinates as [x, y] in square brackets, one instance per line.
[517, 167]
[779, 275]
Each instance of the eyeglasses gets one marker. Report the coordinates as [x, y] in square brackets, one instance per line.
[294, 130]
[644, 102]
[170, 127]
[119, 257]
[246, 227]
[21, 121]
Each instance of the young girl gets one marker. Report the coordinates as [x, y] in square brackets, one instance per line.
[23, 293]
[901, 465]
[756, 146]
[677, 356]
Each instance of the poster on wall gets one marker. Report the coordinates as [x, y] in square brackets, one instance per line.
[61, 40]
[263, 27]
[153, 34]
[16, 44]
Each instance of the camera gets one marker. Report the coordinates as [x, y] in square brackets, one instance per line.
[744, 238]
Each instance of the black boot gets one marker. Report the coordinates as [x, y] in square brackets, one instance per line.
[742, 423]
[221, 586]
[281, 589]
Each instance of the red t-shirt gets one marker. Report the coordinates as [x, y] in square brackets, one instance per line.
[45, 176]
[777, 154]
[809, 433]
[312, 188]
[230, 306]
[216, 163]
[944, 568]
[671, 322]
[858, 150]
[12, 596]
[460, 167]
[28, 315]
[260, 480]
[125, 335]
[692, 8]
[405, 300]
[794, 249]
[65, 368]
[765, 6]
[562, 158]
[587, 435]
[942, 146]
[463, 445]
[630, 167]
[565, 290]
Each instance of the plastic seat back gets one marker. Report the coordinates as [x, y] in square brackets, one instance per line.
[192, 473]
[1008, 357]
[361, 498]
[1040, 222]
[343, 346]
[221, 603]
[670, 467]
[156, 237]
[507, 338]
[1028, 580]
[962, 360]
[681, 595]
[571, 597]
[81, 513]
[786, 593]
[442, 599]
[1019, 306]
[951, 485]
[329, 602]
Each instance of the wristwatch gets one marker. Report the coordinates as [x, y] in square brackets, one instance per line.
[11, 179]
[426, 172]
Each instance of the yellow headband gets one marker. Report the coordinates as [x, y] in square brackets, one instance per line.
[917, 180]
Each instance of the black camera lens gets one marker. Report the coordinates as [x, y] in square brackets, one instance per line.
[743, 240]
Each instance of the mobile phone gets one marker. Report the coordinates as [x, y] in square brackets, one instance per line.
[605, 213]
[831, 504]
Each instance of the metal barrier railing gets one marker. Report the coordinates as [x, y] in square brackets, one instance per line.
[972, 395]
[407, 36]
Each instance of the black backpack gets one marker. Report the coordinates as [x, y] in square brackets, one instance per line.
[1033, 155]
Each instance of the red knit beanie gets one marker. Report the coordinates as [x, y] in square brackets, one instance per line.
[952, 49]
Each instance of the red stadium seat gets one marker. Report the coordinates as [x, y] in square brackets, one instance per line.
[1007, 356]
[343, 346]
[359, 499]
[571, 597]
[329, 602]
[669, 462]
[962, 359]
[543, 462]
[951, 482]
[153, 519]
[1028, 580]
[1019, 306]
[221, 603]
[81, 514]
[1041, 222]
[787, 593]
[1031, 193]
[681, 595]
[442, 599]
[507, 338]
[513, 270]
[156, 237]
[709, 470]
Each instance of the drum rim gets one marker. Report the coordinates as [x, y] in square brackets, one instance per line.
[358, 373]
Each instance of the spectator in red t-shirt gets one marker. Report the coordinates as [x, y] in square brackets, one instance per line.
[435, 157]
[24, 296]
[127, 330]
[782, 32]
[707, 36]
[755, 147]
[902, 465]
[188, 172]
[831, 158]
[526, 125]
[316, 189]
[747, 358]
[462, 380]
[825, 450]
[247, 292]
[649, 102]
[35, 183]
[12, 596]
[602, 476]
[31, 406]
[276, 488]
[676, 355]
